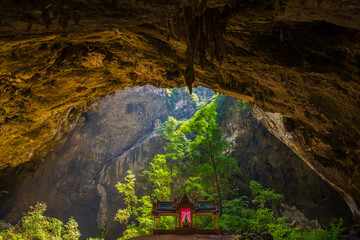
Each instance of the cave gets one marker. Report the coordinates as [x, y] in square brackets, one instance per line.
[118, 133]
[297, 61]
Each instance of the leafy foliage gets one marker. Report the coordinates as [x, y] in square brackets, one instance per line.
[128, 189]
[177, 145]
[160, 177]
[239, 218]
[173, 97]
[208, 150]
[242, 105]
[143, 224]
[34, 225]
[193, 184]
[103, 231]
[264, 195]
[140, 208]
[198, 160]
[194, 148]
[71, 230]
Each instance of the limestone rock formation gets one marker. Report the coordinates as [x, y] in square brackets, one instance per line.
[78, 177]
[264, 158]
[119, 133]
[296, 58]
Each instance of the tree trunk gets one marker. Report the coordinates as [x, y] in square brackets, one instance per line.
[216, 178]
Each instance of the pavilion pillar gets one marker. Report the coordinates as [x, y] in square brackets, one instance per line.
[176, 220]
[195, 220]
[213, 222]
[159, 223]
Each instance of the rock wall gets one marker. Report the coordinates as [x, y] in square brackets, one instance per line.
[118, 133]
[263, 157]
[118, 129]
[296, 58]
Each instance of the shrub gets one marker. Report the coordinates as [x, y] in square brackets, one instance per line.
[71, 230]
[238, 218]
[34, 225]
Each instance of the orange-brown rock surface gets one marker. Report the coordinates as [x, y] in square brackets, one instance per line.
[297, 58]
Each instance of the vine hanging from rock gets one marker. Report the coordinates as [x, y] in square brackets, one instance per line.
[203, 29]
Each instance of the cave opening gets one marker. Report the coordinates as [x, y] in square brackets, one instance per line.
[120, 132]
[298, 61]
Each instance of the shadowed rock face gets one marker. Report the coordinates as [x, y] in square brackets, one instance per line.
[297, 58]
[119, 133]
[264, 158]
[78, 178]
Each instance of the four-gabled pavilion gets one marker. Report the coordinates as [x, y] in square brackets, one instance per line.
[186, 207]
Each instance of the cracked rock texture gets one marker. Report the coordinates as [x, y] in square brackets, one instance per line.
[297, 58]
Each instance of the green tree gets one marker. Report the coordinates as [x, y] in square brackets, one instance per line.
[144, 223]
[193, 184]
[128, 189]
[144, 219]
[177, 145]
[208, 149]
[139, 208]
[160, 176]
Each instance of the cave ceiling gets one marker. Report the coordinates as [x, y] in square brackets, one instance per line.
[297, 58]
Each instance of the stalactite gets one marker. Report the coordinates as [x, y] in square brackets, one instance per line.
[56, 8]
[203, 30]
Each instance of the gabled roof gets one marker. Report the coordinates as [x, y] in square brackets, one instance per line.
[169, 208]
[185, 201]
[163, 207]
